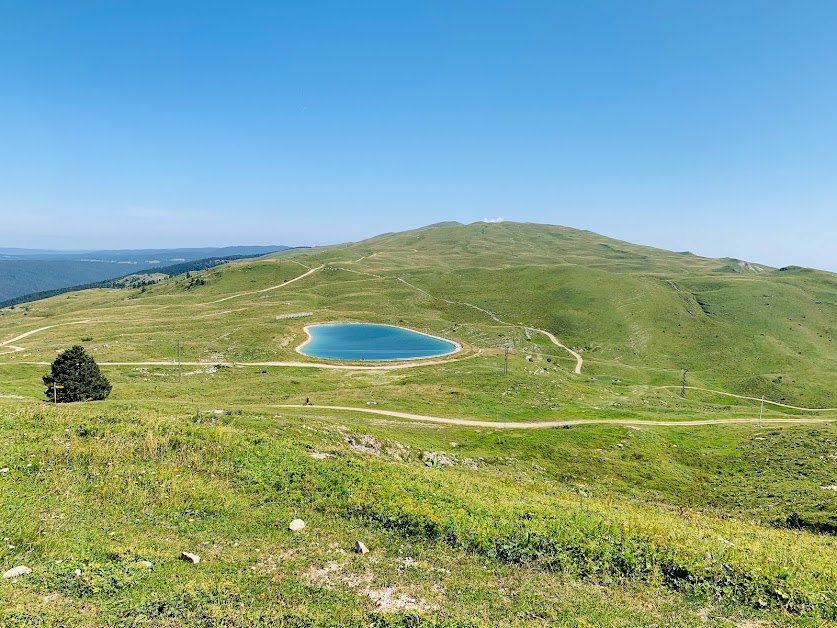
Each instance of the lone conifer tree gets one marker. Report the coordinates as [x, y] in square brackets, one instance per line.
[79, 375]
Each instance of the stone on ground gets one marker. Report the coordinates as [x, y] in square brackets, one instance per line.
[193, 558]
[360, 548]
[20, 570]
[296, 525]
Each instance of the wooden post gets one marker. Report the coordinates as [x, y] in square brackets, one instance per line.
[506, 361]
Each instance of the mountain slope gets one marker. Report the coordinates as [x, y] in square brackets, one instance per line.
[739, 326]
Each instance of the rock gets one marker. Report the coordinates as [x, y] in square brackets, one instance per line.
[436, 459]
[296, 525]
[360, 548]
[4, 470]
[320, 455]
[21, 570]
[147, 564]
[77, 572]
[364, 444]
[193, 558]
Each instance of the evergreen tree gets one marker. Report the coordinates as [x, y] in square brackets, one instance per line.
[79, 375]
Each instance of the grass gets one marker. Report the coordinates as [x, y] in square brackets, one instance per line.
[603, 524]
[108, 488]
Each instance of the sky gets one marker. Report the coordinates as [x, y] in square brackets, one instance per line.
[704, 126]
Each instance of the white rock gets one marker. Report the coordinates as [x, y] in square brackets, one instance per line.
[194, 558]
[296, 525]
[360, 548]
[77, 572]
[147, 564]
[21, 570]
[320, 455]
[4, 470]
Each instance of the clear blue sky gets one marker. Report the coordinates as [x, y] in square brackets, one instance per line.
[709, 126]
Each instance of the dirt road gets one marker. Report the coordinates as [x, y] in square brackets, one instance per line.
[14, 349]
[542, 424]
[242, 294]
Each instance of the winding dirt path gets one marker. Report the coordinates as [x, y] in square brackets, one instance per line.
[579, 361]
[15, 349]
[542, 424]
[759, 399]
[241, 294]
[311, 365]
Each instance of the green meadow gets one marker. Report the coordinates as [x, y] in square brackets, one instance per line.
[598, 524]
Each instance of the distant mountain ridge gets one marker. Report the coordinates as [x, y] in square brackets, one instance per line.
[136, 279]
[28, 271]
[137, 255]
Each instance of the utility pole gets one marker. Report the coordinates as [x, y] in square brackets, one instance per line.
[506, 360]
[683, 385]
[179, 369]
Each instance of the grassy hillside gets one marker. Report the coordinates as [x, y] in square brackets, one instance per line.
[742, 327]
[625, 525]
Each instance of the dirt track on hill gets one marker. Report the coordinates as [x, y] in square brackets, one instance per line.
[562, 423]
[242, 294]
[14, 349]
[310, 365]
[772, 403]
[579, 361]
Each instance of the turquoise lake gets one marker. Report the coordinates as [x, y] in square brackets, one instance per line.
[364, 341]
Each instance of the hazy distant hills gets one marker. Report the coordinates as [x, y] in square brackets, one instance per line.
[26, 271]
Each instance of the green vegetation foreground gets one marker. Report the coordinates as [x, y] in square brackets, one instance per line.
[490, 530]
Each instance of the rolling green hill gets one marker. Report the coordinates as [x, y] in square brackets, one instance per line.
[737, 326]
[632, 523]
